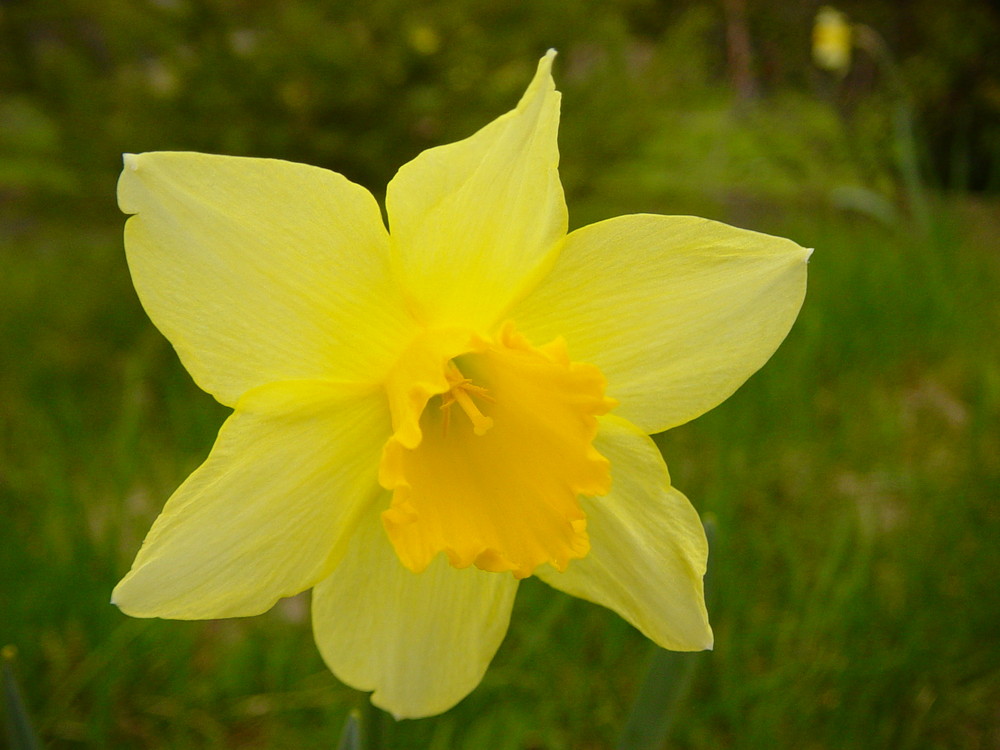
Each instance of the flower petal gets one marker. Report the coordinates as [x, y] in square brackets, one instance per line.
[421, 641]
[270, 511]
[647, 546]
[676, 311]
[260, 270]
[474, 221]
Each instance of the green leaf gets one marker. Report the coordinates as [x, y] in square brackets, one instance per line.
[20, 735]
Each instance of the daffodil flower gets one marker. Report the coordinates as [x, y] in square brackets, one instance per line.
[426, 415]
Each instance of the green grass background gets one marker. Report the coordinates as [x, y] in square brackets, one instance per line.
[854, 481]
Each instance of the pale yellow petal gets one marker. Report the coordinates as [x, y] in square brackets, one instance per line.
[676, 311]
[473, 222]
[259, 270]
[421, 641]
[647, 546]
[270, 511]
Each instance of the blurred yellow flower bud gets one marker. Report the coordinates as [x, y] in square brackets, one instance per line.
[832, 40]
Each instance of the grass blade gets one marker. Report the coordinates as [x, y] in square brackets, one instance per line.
[350, 738]
[20, 735]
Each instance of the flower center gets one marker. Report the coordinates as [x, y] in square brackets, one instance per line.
[496, 490]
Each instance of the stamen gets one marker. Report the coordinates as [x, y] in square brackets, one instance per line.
[461, 387]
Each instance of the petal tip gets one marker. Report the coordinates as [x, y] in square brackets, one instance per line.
[542, 84]
[545, 64]
[116, 594]
[122, 603]
[126, 603]
[130, 165]
[708, 637]
[390, 705]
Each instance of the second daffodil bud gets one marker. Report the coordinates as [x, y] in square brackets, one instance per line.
[831, 47]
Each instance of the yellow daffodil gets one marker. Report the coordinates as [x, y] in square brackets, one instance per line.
[832, 40]
[424, 416]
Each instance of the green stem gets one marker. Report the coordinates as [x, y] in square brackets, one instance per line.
[905, 141]
[668, 680]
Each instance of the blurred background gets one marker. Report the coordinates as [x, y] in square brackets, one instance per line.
[854, 481]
